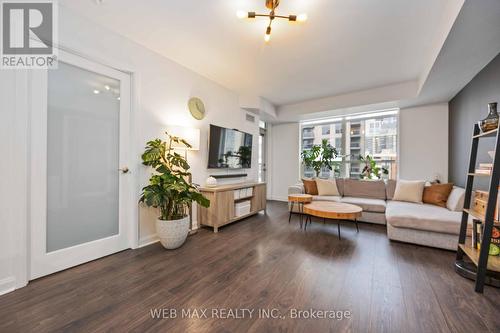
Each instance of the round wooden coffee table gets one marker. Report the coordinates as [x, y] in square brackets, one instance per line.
[300, 199]
[333, 211]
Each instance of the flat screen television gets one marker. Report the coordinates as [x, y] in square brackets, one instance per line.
[229, 149]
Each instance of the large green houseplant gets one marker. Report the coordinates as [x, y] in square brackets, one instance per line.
[320, 156]
[169, 190]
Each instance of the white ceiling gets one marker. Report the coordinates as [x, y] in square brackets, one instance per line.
[346, 45]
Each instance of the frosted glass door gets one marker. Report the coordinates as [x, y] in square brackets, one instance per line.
[82, 195]
[83, 120]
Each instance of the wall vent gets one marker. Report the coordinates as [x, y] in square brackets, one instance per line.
[250, 118]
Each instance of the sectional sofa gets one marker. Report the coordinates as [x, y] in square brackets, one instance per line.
[422, 224]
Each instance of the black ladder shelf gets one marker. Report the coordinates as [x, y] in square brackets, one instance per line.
[484, 269]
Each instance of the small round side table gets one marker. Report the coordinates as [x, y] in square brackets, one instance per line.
[300, 200]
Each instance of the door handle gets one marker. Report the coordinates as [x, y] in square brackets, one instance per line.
[124, 170]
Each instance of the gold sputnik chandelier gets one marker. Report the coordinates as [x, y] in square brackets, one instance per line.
[271, 5]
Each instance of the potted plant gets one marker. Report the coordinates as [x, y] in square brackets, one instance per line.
[371, 170]
[319, 156]
[169, 190]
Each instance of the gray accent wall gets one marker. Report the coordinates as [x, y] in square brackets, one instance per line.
[465, 109]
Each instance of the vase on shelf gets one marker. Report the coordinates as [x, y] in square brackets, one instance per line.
[491, 121]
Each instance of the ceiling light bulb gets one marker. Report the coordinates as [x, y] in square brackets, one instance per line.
[241, 14]
[302, 17]
[106, 87]
[118, 98]
[267, 36]
[96, 91]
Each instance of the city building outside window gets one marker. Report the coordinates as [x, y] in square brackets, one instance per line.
[373, 134]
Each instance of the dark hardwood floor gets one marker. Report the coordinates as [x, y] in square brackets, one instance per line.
[260, 263]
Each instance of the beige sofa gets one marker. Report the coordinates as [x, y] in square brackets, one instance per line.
[415, 223]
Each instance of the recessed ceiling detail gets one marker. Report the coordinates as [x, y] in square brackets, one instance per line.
[351, 50]
[271, 5]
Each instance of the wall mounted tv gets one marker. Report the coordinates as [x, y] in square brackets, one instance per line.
[229, 149]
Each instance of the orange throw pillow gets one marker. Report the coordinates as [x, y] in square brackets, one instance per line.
[437, 194]
[310, 186]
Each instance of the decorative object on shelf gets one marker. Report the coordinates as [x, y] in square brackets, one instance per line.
[169, 190]
[197, 108]
[475, 238]
[320, 156]
[271, 5]
[211, 182]
[371, 170]
[479, 202]
[491, 121]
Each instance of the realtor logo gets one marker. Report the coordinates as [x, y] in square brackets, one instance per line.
[28, 34]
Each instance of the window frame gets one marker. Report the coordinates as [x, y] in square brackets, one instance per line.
[361, 117]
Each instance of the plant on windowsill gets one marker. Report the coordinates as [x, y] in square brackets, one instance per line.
[169, 190]
[320, 156]
[371, 170]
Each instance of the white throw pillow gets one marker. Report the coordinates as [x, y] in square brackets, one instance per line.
[327, 187]
[409, 190]
[456, 198]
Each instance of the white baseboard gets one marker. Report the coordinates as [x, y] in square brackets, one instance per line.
[277, 198]
[151, 239]
[7, 285]
[148, 240]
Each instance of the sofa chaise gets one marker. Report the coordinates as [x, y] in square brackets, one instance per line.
[422, 224]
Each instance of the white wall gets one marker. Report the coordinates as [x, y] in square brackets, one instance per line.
[7, 137]
[284, 159]
[423, 151]
[13, 180]
[162, 88]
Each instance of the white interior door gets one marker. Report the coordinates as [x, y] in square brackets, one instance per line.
[80, 138]
[262, 170]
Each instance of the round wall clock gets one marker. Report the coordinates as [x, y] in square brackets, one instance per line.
[196, 108]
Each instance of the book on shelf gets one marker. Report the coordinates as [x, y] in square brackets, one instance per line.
[476, 224]
[494, 240]
[483, 171]
[486, 166]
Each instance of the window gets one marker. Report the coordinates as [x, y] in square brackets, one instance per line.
[338, 144]
[356, 135]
